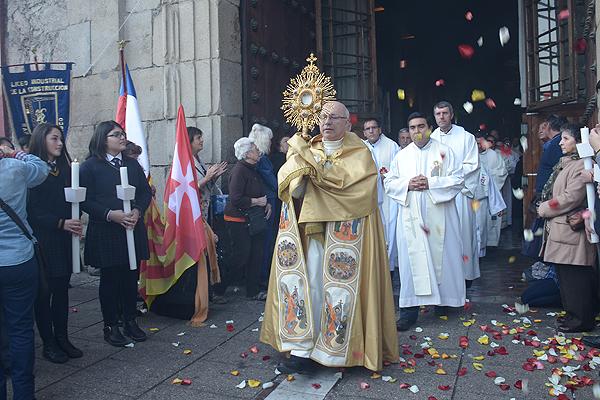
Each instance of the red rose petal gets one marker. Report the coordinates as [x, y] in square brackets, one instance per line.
[563, 14]
[580, 46]
[444, 387]
[419, 355]
[432, 398]
[501, 350]
[466, 51]
[254, 349]
[491, 374]
[316, 386]
[229, 327]
[528, 367]
[266, 358]
[413, 337]
[244, 355]
[462, 371]
[490, 103]
[186, 382]
[504, 386]
[404, 386]
[519, 384]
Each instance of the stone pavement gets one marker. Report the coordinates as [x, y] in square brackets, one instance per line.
[147, 370]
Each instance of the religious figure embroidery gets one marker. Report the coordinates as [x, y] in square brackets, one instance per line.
[346, 230]
[336, 322]
[287, 253]
[342, 265]
[284, 219]
[436, 170]
[295, 309]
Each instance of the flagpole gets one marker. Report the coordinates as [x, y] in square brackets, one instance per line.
[122, 44]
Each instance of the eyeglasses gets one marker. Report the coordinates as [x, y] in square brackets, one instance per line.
[117, 135]
[324, 117]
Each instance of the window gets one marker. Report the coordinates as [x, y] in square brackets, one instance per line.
[550, 58]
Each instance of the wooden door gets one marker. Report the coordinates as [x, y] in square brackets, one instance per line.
[531, 158]
[277, 37]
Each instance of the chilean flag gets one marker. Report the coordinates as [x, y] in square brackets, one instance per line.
[128, 116]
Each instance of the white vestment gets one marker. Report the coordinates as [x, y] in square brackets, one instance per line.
[383, 152]
[430, 256]
[489, 204]
[496, 169]
[464, 147]
[511, 158]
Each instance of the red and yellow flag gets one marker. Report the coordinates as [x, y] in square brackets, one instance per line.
[180, 242]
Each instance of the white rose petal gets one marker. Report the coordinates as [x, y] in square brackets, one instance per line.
[414, 389]
[241, 385]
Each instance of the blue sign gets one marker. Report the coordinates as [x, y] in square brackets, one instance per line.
[37, 93]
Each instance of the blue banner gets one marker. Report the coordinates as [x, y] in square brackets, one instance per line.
[37, 93]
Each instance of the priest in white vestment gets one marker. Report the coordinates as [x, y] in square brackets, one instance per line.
[496, 169]
[488, 202]
[464, 147]
[383, 150]
[425, 179]
[511, 158]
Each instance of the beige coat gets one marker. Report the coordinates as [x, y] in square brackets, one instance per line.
[562, 245]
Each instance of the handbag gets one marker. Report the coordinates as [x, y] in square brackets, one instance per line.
[575, 219]
[255, 218]
[39, 257]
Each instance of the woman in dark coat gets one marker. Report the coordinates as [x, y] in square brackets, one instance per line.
[246, 192]
[106, 243]
[49, 215]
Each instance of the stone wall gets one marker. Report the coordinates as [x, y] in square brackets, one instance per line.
[186, 51]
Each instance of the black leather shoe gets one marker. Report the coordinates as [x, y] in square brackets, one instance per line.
[54, 354]
[297, 365]
[592, 341]
[131, 329]
[114, 337]
[440, 311]
[66, 346]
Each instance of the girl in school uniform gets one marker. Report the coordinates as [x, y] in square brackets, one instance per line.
[106, 243]
[49, 215]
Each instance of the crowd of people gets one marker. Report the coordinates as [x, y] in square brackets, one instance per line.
[424, 206]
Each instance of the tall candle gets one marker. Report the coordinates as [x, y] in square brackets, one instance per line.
[75, 174]
[124, 178]
[590, 192]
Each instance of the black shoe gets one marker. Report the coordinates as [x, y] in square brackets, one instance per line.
[114, 337]
[297, 365]
[592, 341]
[408, 317]
[66, 346]
[54, 354]
[440, 311]
[131, 329]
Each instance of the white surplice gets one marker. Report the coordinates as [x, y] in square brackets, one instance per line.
[496, 169]
[511, 158]
[383, 152]
[490, 203]
[430, 256]
[465, 151]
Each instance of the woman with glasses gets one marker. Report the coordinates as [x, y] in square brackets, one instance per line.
[106, 243]
[50, 217]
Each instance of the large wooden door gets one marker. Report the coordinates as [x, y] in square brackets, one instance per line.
[277, 37]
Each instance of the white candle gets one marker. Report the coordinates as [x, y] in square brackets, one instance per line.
[75, 174]
[124, 178]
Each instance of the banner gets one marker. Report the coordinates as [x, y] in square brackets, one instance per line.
[37, 93]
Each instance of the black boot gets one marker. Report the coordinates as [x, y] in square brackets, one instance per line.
[66, 346]
[297, 365]
[54, 354]
[592, 341]
[131, 329]
[408, 317]
[114, 337]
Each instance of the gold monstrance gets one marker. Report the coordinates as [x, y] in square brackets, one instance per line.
[305, 96]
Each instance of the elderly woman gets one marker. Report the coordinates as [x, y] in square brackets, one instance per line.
[246, 213]
[262, 135]
[564, 242]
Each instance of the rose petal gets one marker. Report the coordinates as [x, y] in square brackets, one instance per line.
[462, 371]
[466, 51]
[316, 386]
[468, 106]
[504, 35]
[444, 387]
[491, 374]
[364, 385]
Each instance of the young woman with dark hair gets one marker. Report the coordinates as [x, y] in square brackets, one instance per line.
[106, 243]
[50, 218]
